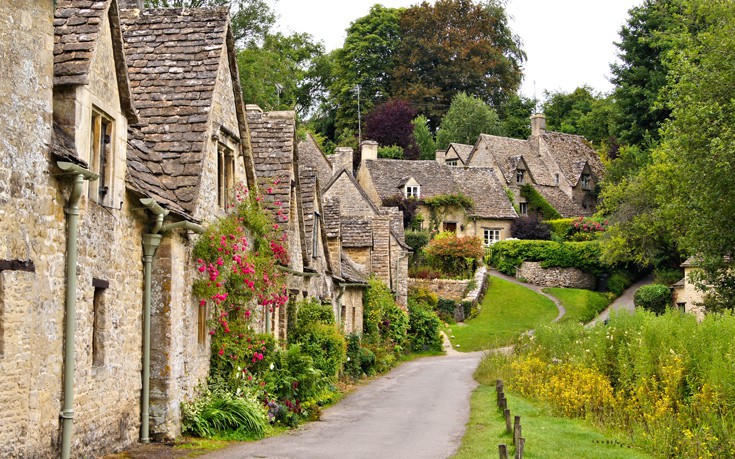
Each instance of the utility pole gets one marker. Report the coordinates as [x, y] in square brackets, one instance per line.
[359, 118]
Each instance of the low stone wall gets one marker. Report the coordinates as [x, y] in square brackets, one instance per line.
[533, 273]
[444, 288]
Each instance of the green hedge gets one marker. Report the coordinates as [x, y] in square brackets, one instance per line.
[654, 298]
[560, 226]
[537, 203]
[506, 256]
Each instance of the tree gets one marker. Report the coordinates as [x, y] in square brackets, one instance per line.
[467, 118]
[389, 123]
[424, 139]
[580, 112]
[366, 60]
[251, 19]
[455, 46]
[515, 116]
[281, 74]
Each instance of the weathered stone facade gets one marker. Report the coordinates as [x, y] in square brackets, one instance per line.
[533, 273]
[449, 289]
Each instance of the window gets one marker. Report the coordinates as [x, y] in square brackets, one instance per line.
[225, 175]
[98, 321]
[519, 176]
[523, 207]
[490, 236]
[412, 191]
[585, 181]
[202, 323]
[556, 178]
[452, 162]
[450, 226]
[101, 157]
[315, 237]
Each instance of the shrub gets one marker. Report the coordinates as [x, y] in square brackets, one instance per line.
[667, 276]
[318, 336]
[390, 152]
[218, 412]
[530, 227]
[410, 208]
[508, 255]
[655, 298]
[382, 318]
[454, 256]
[560, 226]
[423, 330]
[445, 309]
[424, 272]
[586, 229]
[537, 203]
[423, 296]
[618, 282]
[417, 239]
[352, 364]
[308, 313]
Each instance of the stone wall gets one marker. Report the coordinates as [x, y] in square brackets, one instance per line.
[533, 273]
[449, 289]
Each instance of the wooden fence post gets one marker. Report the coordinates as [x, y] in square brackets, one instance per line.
[519, 448]
[516, 430]
[503, 450]
[508, 426]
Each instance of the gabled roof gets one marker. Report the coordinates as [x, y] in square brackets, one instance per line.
[77, 28]
[345, 173]
[478, 183]
[174, 56]
[572, 153]
[310, 154]
[507, 153]
[561, 202]
[331, 207]
[308, 186]
[463, 151]
[272, 140]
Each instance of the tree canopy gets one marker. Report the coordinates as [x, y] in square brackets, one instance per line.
[467, 118]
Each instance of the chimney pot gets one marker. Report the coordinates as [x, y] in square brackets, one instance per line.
[538, 124]
[440, 156]
[369, 150]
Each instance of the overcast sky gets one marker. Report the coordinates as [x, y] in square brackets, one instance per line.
[568, 42]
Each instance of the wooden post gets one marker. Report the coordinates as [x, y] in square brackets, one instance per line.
[508, 426]
[503, 402]
[519, 448]
[503, 450]
[516, 430]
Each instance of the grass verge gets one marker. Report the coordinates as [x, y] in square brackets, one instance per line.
[581, 305]
[507, 310]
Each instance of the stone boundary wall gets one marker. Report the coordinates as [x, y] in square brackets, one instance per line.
[533, 273]
[444, 288]
[474, 296]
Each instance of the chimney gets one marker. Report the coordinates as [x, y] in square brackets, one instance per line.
[342, 159]
[130, 4]
[440, 155]
[538, 124]
[369, 150]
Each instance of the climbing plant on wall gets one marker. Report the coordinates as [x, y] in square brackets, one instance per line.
[441, 204]
[537, 203]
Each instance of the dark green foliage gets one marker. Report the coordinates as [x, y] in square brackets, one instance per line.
[530, 227]
[506, 256]
[423, 329]
[445, 308]
[417, 239]
[654, 297]
[390, 152]
[467, 118]
[424, 138]
[667, 276]
[515, 116]
[409, 207]
[217, 412]
[580, 112]
[383, 320]
[559, 227]
[537, 203]
[310, 312]
[318, 337]
[618, 282]
[352, 365]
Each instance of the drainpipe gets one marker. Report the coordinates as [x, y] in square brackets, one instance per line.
[72, 212]
[151, 242]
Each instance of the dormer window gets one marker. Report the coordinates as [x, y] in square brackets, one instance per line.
[519, 176]
[586, 182]
[102, 159]
[556, 178]
[451, 162]
[412, 191]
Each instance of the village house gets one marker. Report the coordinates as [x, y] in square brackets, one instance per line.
[563, 168]
[489, 217]
[685, 294]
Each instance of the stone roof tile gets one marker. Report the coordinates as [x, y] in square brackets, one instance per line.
[571, 153]
[356, 232]
[77, 25]
[351, 271]
[463, 151]
[310, 154]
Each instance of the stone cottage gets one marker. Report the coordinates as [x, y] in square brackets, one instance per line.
[106, 165]
[563, 168]
[685, 294]
[489, 218]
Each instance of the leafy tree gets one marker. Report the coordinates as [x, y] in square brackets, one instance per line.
[455, 46]
[515, 116]
[424, 139]
[251, 19]
[580, 112]
[389, 123]
[467, 118]
[366, 60]
[281, 73]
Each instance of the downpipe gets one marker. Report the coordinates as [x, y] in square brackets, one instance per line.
[72, 217]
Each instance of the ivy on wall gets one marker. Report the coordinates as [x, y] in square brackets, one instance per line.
[440, 204]
[537, 203]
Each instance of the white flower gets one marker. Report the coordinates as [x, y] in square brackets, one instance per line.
[348, 359]
[272, 366]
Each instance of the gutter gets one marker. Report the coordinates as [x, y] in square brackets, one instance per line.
[72, 217]
[151, 242]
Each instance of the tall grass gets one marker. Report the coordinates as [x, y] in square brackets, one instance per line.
[667, 381]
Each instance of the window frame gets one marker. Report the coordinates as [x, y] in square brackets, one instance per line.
[490, 241]
[586, 179]
[523, 208]
[520, 175]
[413, 191]
[225, 175]
[101, 156]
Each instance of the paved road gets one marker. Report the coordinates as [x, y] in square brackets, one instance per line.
[419, 410]
[624, 302]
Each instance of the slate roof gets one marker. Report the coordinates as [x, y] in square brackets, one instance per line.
[331, 207]
[507, 153]
[272, 141]
[561, 202]
[173, 57]
[308, 184]
[478, 183]
[351, 271]
[77, 28]
[64, 147]
[356, 232]
[571, 153]
[463, 151]
[310, 154]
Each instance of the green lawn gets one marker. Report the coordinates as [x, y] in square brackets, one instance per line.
[507, 310]
[581, 305]
[547, 437]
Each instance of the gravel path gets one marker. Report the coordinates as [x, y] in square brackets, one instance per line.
[418, 410]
